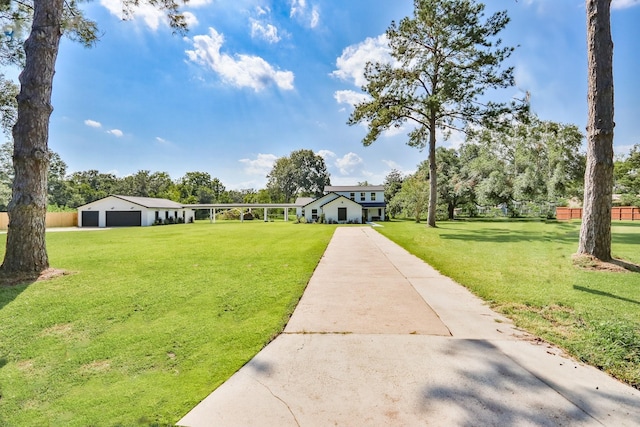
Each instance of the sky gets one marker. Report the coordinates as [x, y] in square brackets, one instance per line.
[254, 80]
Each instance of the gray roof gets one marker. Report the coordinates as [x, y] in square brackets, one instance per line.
[352, 188]
[303, 201]
[151, 202]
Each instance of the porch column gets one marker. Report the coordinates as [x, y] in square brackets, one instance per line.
[286, 214]
[214, 215]
[241, 215]
[265, 214]
[211, 216]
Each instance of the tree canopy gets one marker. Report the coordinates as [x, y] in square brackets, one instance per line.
[302, 173]
[446, 59]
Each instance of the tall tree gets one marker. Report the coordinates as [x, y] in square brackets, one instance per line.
[26, 254]
[595, 231]
[446, 61]
[392, 184]
[302, 173]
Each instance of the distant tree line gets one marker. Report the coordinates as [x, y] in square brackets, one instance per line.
[532, 166]
[303, 173]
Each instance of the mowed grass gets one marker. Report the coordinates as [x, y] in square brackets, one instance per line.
[152, 320]
[525, 270]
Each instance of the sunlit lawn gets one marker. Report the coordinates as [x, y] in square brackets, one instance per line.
[152, 320]
[524, 269]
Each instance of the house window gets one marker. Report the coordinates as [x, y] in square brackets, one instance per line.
[166, 214]
[314, 214]
[373, 197]
[379, 212]
[342, 214]
[362, 197]
[352, 196]
[157, 215]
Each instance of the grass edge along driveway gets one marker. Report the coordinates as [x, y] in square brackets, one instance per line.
[152, 320]
[523, 268]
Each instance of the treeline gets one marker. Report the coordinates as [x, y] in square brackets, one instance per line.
[68, 191]
[302, 173]
[526, 170]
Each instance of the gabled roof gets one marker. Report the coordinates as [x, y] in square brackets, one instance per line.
[338, 198]
[303, 201]
[151, 202]
[352, 188]
[332, 196]
[145, 202]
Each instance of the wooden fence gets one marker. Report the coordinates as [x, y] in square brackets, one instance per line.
[54, 219]
[620, 213]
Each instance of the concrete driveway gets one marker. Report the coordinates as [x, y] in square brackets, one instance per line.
[380, 338]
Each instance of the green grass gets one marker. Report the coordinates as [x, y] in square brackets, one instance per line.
[525, 270]
[152, 320]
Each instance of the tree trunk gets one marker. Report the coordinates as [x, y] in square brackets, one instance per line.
[433, 172]
[26, 253]
[451, 209]
[595, 233]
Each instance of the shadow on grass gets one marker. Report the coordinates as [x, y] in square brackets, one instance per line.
[9, 292]
[604, 294]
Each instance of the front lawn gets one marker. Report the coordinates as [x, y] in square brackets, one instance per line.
[524, 269]
[152, 320]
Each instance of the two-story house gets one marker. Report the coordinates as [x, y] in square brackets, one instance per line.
[342, 204]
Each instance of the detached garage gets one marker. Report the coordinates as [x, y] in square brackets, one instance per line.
[128, 211]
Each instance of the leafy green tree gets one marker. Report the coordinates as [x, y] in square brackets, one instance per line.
[392, 184]
[446, 61]
[453, 185]
[8, 104]
[302, 173]
[595, 230]
[199, 188]
[89, 186]
[627, 175]
[413, 198]
[26, 254]
[537, 161]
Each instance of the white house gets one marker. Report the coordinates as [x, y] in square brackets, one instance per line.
[127, 211]
[345, 204]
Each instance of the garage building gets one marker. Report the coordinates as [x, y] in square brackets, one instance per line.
[129, 211]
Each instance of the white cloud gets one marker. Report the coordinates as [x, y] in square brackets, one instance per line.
[350, 97]
[264, 31]
[92, 123]
[162, 141]
[262, 10]
[624, 4]
[348, 163]
[191, 19]
[326, 154]
[261, 165]
[354, 58]
[239, 70]
[300, 10]
[116, 132]
[315, 17]
[197, 3]
[151, 15]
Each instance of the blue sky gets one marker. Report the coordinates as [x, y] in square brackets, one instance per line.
[254, 80]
